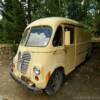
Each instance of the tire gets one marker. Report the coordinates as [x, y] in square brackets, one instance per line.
[55, 82]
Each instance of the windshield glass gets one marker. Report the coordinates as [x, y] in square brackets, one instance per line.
[39, 36]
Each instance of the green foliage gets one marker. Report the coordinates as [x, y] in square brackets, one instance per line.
[75, 9]
[97, 18]
[16, 13]
[13, 22]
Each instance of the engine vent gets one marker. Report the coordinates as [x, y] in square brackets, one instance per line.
[24, 60]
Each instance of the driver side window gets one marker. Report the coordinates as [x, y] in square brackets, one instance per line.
[58, 38]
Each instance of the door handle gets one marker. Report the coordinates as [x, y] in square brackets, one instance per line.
[54, 52]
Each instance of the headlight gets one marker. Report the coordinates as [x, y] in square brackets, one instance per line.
[36, 70]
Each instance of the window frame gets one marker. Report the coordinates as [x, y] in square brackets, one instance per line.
[39, 26]
[70, 27]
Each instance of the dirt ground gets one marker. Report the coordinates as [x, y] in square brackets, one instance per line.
[81, 84]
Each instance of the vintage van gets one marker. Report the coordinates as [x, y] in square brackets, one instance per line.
[50, 49]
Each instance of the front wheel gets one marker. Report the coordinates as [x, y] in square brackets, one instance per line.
[55, 82]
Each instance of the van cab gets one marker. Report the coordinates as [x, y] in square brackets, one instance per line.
[50, 49]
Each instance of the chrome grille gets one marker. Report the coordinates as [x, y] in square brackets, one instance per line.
[24, 60]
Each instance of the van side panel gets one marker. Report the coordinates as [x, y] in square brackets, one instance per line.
[82, 44]
[69, 58]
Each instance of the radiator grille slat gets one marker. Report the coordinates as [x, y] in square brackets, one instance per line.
[24, 60]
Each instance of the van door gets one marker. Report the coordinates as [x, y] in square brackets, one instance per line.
[70, 50]
[58, 47]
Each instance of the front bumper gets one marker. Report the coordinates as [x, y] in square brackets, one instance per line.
[33, 89]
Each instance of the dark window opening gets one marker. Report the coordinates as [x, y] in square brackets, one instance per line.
[58, 38]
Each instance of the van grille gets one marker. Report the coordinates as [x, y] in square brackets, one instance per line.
[24, 62]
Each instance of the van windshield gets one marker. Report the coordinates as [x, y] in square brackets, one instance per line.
[39, 36]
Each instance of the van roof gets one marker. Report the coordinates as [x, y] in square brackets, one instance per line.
[54, 20]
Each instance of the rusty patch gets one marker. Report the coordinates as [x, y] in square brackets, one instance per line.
[48, 77]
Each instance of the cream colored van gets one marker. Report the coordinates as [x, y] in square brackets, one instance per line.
[50, 49]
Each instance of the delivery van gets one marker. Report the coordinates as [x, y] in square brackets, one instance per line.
[50, 49]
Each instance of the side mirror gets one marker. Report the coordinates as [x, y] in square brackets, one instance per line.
[67, 37]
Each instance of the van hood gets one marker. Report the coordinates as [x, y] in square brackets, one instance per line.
[37, 57]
